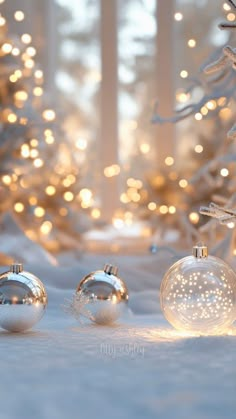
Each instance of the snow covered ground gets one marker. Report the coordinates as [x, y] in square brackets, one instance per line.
[139, 368]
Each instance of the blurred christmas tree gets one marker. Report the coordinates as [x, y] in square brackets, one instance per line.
[39, 171]
[211, 173]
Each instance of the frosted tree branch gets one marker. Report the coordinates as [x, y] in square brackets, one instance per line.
[232, 133]
[216, 65]
[225, 65]
[193, 108]
[227, 25]
[224, 215]
[205, 171]
[231, 2]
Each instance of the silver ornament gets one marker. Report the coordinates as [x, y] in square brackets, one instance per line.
[23, 299]
[101, 297]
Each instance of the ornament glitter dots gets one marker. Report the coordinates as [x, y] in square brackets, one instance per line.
[198, 294]
[101, 297]
[23, 299]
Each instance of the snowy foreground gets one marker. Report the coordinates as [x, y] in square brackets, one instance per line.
[140, 368]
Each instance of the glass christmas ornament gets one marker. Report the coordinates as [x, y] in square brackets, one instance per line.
[100, 296]
[198, 294]
[23, 299]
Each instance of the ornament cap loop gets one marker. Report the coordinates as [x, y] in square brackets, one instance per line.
[110, 269]
[16, 267]
[200, 251]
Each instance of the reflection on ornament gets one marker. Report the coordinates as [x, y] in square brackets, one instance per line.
[198, 294]
[23, 299]
[153, 248]
[101, 297]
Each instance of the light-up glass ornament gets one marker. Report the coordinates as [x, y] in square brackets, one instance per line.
[198, 294]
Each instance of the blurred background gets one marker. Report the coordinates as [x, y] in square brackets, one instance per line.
[101, 147]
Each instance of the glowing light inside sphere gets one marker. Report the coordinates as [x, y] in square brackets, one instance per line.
[198, 294]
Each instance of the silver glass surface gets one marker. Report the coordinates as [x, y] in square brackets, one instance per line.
[23, 300]
[105, 294]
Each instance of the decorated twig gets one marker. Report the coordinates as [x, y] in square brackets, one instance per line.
[225, 65]
[77, 306]
[216, 65]
[224, 215]
[231, 2]
[219, 83]
[227, 25]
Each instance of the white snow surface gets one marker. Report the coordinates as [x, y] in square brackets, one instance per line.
[138, 368]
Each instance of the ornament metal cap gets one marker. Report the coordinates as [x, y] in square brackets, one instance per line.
[16, 267]
[200, 251]
[110, 269]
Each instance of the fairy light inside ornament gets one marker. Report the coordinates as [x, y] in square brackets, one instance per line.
[101, 297]
[198, 294]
